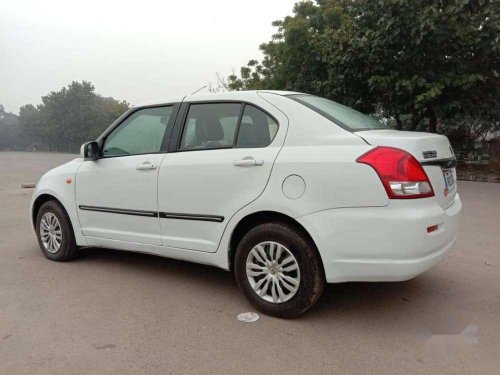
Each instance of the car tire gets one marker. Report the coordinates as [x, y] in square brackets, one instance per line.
[296, 276]
[55, 232]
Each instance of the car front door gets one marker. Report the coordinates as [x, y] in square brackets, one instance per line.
[117, 194]
[221, 162]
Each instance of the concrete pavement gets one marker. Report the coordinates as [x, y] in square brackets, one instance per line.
[116, 312]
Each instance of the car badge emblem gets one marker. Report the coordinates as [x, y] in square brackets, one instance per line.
[429, 154]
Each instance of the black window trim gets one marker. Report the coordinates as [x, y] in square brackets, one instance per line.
[175, 141]
[101, 140]
[238, 123]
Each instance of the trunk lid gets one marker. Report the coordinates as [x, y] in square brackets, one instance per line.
[433, 151]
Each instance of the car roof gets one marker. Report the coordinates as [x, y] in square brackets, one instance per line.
[230, 95]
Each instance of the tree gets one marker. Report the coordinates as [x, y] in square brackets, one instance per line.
[221, 85]
[69, 117]
[470, 134]
[31, 128]
[9, 129]
[410, 60]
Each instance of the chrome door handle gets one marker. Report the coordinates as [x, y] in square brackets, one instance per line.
[146, 166]
[248, 161]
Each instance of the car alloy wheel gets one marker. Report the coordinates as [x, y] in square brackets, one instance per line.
[273, 272]
[51, 233]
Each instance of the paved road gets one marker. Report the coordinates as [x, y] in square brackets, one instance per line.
[118, 312]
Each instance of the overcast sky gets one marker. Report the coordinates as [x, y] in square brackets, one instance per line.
[132, 50]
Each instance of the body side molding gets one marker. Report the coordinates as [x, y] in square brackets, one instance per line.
[172, 215]
[122, 211]
[162, 215]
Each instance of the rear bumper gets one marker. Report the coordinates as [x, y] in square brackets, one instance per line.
[383, 243]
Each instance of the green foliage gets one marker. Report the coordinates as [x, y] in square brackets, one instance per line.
[9, 129]
[406, 59]
[470, 134]
[68, 117]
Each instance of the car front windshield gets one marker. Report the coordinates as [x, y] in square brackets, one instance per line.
[346, 117]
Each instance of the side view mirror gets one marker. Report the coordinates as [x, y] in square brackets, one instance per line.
[90, 150]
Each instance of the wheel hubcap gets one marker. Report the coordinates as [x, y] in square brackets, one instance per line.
[50, 233]
[273, 272]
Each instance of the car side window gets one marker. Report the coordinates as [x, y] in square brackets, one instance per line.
[141, 133]
[257, 129]
[210, 126]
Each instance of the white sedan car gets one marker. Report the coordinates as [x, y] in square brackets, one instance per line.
[288, 190]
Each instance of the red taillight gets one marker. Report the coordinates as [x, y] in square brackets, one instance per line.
[401, 174]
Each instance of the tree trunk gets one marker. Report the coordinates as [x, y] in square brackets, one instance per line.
[399, 123]
[415, 119]
[432, 121]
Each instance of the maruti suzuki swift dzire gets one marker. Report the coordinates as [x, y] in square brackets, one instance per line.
[288, 190]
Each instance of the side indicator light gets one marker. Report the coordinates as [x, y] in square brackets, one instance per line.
[432, 228]
[69, 180]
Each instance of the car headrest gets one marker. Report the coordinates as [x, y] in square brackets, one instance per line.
[207, 130]
[248, 135]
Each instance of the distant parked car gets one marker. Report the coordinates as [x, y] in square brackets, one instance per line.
[288, 190]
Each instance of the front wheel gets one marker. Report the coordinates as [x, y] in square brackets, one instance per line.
[279, 270]
[55, 233]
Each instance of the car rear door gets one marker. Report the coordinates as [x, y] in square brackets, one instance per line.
[220, 160]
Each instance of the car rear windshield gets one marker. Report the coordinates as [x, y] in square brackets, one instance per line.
[345, 117]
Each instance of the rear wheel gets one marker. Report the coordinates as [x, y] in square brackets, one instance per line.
[279, 270]
[55, 233]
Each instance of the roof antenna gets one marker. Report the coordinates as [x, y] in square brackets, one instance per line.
[198, 90]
